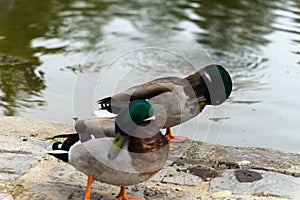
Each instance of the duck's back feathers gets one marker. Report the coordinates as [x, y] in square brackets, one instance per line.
[143, 91]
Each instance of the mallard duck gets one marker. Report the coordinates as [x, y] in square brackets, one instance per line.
[122, 151]
[176, 100]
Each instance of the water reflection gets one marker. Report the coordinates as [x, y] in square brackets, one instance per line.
[256, 40]
[21, 84]
[31, 29]
[289, 21]
[237, 28]
[235, 25]
[20, 87]
[247, 70]
[20, 23]
[226, 25]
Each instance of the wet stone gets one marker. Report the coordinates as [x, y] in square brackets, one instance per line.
[271, 184]
[226, 157]
[204, 173]
[247, 176]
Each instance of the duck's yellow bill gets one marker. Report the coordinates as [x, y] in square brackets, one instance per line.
[118, 143]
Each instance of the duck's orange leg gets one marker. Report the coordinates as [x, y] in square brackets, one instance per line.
[87, 195]
[171, 137]
[122, 195]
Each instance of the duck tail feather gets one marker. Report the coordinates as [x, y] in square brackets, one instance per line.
[105, 104]
[60, 154]
[61, 150]
[61, 136]
[65, 135]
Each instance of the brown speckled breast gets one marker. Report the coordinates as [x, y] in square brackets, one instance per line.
[149, 154]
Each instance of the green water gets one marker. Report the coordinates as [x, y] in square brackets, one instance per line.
[44, 43]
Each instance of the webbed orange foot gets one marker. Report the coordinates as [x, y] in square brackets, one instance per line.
[172, 147]
[171, 137]
[122, 195]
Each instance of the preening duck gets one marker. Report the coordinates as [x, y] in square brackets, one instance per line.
[176, 100]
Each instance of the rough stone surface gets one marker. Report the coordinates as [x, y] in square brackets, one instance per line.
[272, 184]
[194, 170]
[159, 193]
[176, 174]
[224, 157]
[14, 166]
[6, 196]
[248, 198]
[67, 175]
[179, 178]
[18, 155]
[32, 127]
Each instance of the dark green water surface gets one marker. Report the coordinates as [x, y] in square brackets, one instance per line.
[44, 43]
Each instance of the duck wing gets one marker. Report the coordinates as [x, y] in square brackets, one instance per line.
[143, 91]
[87, 129]
[95, 128]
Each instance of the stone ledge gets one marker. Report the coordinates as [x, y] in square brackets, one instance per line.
[195, 170]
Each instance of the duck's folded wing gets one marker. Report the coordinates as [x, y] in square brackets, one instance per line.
[144, 91]
[95, 128]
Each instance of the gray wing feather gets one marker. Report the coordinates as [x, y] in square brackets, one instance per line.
[95, 127]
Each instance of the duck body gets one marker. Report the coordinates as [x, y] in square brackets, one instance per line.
[176, 100]
[122, 151]
[87, 129]
[128, 168]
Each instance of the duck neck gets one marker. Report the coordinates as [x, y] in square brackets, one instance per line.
[197, 84]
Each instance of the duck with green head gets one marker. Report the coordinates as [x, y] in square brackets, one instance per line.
[176, 100]
[137, 151]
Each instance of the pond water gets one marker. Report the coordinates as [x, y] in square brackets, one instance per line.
[46, 70]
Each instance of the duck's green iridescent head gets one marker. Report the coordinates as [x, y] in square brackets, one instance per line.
[127, 121]
[139, 111]
[134, 115]
[219, 84]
